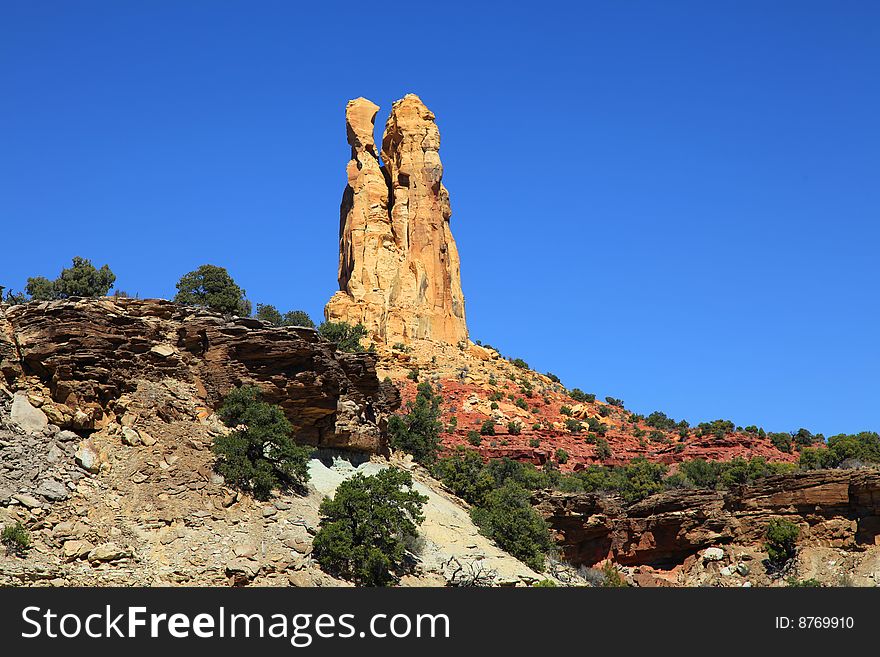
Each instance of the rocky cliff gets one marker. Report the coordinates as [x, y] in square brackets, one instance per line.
[80, 360]
[106, 428]
[399, 270]
[837, 509]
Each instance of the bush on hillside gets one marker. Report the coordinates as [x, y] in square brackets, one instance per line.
[16, 539]
[212, 286]
[81, 279]
[268, 313]
[364, 528]
[297, 318]
[345, 336]
[580, 396]
[781, 545]
[259, 455]
[418, 432]
[507, 517]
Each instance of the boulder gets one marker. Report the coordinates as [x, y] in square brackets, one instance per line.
[87, 457]
[76, 549]
[26, 500]
[130, 437]
[108, 552]
[52, 490]
[26, 416]
[713, 554]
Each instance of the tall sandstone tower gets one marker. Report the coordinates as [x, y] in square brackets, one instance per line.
[399, 272]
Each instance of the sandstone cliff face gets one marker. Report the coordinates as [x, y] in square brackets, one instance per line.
[399, 270]
[833, 508]
[77, 358]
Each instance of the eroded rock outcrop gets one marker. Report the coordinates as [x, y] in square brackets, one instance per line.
[833, 508]
[78, 357]
[399, 270]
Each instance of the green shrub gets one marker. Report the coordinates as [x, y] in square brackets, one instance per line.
[574, 426]
[561, 456]
[496, 396]
[16, 538]
[345, 336]
[297, 318]
[536, 426]
[509, 519]
[520, 363]
[613, 578]
[565, 410]
[494, 406]
[213, 287]
[659, 420]
[81, 279]
[364, 528]
[514, 428]
[864, 446]
[857, 448]
[794, 582]
[521, 403]
[464, 473]
[413, 374]
[418, 432]
[613, 401]
[718, 428]
[603, 449]
[633, 482]
[488, 427]
[13, 298]
[781, 545]
[258, 455]
[724, 474]
[604, 411]
[535, 443]
[268, 313]
[596, 426]
[580, 396]
[552, 377]
[544, 584]
[781, 441]
[803, 438]
[474, 438]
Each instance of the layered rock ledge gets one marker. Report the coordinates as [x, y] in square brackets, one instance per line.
[76, 358]
[833, 508]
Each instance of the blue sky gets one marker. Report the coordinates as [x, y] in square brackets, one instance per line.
[673, 203]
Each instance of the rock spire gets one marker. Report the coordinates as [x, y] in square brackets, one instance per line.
[399, 271]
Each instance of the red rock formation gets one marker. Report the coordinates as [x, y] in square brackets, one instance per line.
[833, 508]
[399, 271]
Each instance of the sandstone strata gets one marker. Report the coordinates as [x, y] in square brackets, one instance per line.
[399, 270]
[833, 508]
[77, 358]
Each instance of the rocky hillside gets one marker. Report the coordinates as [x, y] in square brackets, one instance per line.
[534, 416]
[106, 423]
